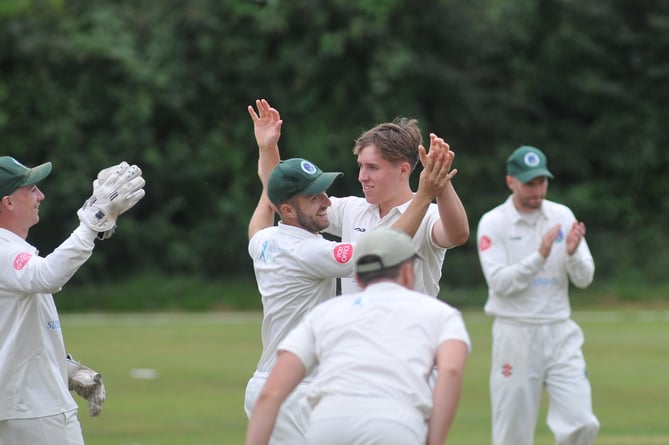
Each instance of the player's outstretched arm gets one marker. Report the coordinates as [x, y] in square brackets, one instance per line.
[285, 376]
[451, 359]
[432, 180]
[263, 215]
[452, 229]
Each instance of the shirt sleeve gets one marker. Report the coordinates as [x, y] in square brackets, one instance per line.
[580, 265]
[326, 259]
[301, 342]
[453, 328]
[25, 271]
[503, 279]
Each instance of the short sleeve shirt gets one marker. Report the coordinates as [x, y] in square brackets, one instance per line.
[351, 217]
[379, 343]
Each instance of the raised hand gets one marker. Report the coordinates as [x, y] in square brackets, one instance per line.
[267, 130]
[576, 233]
[266, 124]
[437, 164]
[548, 239]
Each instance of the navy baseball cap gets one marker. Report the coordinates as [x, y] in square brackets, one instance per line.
[297, 176]
[527, 163]
[383, 248]
[14, 175]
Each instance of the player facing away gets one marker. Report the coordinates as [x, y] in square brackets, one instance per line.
[530, 248]
[375, 351]
[36, 406]
[295, 267]
[387, 155]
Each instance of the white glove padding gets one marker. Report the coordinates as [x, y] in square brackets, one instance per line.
[116, 190]
[87, 383]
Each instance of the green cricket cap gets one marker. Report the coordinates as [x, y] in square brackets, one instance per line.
[527, 163]
[382, 248]
[297, 176]
[14, 175]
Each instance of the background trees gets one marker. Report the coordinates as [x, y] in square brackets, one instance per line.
[166, 84]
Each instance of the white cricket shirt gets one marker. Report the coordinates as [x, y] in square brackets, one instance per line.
[379, 343]
[33, 373]
[522, 284]
[352, 216]
[295, 270]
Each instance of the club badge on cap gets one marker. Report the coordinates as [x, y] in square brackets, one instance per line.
[527, 163]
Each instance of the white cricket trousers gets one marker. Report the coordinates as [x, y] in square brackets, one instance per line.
[60, 429]
[293, 419]
[345, 420]
[525, 359]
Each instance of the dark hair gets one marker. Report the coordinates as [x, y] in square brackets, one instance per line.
[397, 141]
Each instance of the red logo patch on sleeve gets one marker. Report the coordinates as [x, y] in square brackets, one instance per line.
[484, 243]
[343, 253]
[21, 260]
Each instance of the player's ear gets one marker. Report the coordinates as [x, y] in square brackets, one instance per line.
[286, 210]
[509, 182]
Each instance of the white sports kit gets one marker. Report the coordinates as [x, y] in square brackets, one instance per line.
[532, 331]
[352, 216]
[295, 270]
[375, 351]
[32, 351]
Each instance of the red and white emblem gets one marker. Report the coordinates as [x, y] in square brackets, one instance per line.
[21, 260]
[484, 243]
[343, 253]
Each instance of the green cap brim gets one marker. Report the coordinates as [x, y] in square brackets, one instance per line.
[321, 184]
[529, 175]
[37, 174]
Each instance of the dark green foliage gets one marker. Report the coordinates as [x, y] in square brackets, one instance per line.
[166, 84]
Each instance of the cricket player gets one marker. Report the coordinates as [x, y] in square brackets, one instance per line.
[387, 155]
[530, 248]
[374, 350]
[36, 406]
[295, 267]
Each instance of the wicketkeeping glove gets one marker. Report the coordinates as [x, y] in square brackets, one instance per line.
[116, 190]
[87, 383]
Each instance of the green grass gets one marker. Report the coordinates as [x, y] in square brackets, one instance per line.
[203, 362]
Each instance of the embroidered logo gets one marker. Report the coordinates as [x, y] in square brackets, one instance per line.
[21, 260]
[343, 253]
[484, 243]
[560, 237]
[506, 370]
[531, 159]
[308, 167]
[359, 229]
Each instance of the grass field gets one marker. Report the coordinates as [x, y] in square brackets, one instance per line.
[201, 363]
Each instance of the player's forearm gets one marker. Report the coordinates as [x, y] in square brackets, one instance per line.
[446, 396]
[413, 215]
[263, 216]
[262, 422]
[454, 222]
[268, 158]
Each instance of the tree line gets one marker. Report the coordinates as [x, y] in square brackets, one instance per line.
[87, 83]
